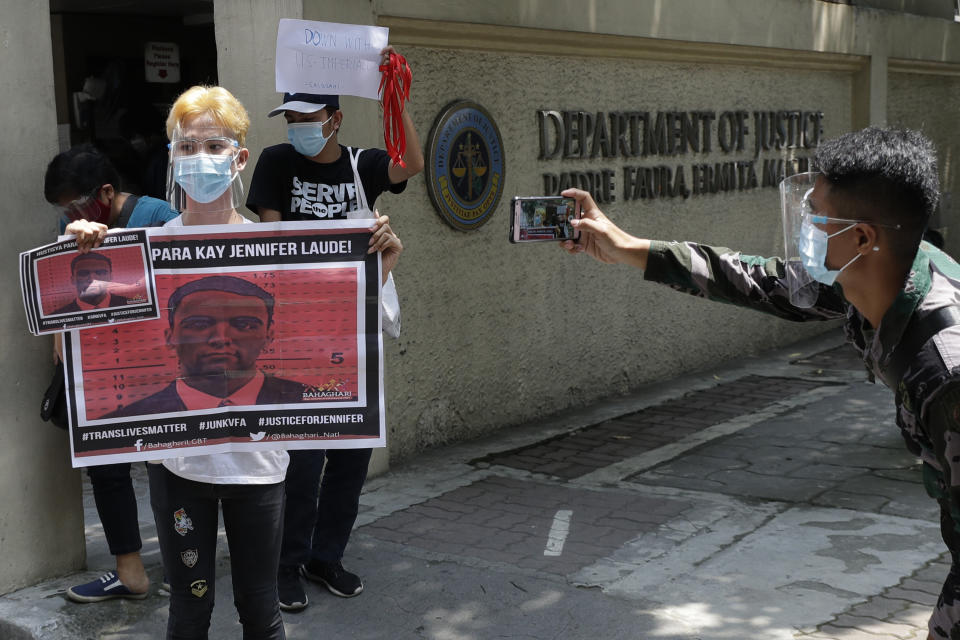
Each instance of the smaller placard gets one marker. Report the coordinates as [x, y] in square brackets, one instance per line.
[64, 289]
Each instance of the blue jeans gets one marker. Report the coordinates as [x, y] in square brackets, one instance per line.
[320, 514]
[117, 506]
[186, 515]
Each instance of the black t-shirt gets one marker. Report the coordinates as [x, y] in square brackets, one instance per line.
[301, 189]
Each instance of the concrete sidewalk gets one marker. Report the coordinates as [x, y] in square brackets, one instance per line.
[770, 498]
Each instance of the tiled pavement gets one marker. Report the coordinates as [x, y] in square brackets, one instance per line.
[771, 498]
[507, 521]
[898, 612]
[576, 454]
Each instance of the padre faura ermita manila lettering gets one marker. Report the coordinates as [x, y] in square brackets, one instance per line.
[659, 150]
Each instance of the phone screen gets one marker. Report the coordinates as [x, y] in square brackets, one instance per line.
[542, 218]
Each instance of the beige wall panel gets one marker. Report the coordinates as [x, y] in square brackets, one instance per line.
[917, 101]
[497, 334]
[802, 25]
[246, 32]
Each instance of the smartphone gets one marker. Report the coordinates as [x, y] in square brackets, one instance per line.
[543, 218]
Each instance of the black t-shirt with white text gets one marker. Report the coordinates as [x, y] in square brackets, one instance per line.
[301, 189]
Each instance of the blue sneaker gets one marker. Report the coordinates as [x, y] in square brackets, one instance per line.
[106, 587]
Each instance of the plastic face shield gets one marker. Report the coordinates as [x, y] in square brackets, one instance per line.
[202, 173]
[794, 199]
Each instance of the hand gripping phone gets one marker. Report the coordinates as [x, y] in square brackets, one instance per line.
[543, 218]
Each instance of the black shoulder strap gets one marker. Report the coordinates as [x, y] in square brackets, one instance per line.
[916, 334]
[127, 210]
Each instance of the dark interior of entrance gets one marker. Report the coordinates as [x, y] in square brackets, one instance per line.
[118, 65]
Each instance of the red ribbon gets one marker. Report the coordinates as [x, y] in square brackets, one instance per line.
[395, 77]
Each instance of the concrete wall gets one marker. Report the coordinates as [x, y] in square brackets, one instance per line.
[911, 95]
[935, 8]
[496, 334]
[246, 32]
[41, 522]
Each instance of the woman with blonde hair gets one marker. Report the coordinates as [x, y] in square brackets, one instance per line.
[207, 128]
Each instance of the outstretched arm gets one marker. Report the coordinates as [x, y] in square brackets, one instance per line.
[716, 273]
[413, 156]
[602, 239]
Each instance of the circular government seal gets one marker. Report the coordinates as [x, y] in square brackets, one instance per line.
[465, 165]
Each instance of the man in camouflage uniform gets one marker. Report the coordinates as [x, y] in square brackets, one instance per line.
[870, 204]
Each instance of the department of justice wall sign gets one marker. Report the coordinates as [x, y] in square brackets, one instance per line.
[465, 165]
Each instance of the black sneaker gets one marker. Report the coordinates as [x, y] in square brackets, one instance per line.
[290, 590]
[338, 580]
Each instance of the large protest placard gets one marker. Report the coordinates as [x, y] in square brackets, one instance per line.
[268, 337]
[65, 289]
[327, 57]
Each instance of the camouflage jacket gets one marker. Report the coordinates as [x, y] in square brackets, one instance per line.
[723, 275]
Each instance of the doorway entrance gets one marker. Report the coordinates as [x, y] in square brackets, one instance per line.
[118, 65]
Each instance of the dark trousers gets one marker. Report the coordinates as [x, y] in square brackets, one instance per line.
[321, 513]
[186, 516]
[117, 506]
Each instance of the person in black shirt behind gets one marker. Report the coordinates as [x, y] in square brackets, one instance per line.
[312, 177]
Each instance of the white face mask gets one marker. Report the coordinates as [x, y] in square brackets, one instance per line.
[203, 176]
[812, 246]
[307, 137]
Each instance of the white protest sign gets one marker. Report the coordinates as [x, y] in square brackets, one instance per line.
[326, 57]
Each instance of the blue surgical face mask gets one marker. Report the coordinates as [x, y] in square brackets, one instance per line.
[204, 177]
[307, 137]
[813, 251]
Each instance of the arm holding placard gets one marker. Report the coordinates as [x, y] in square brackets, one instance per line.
[388, 244]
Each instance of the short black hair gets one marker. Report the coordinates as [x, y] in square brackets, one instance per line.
[78, 171]
[93, 255]
[884, 175]
[227, 284]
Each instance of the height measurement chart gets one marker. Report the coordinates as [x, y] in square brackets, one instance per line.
[268, 338]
